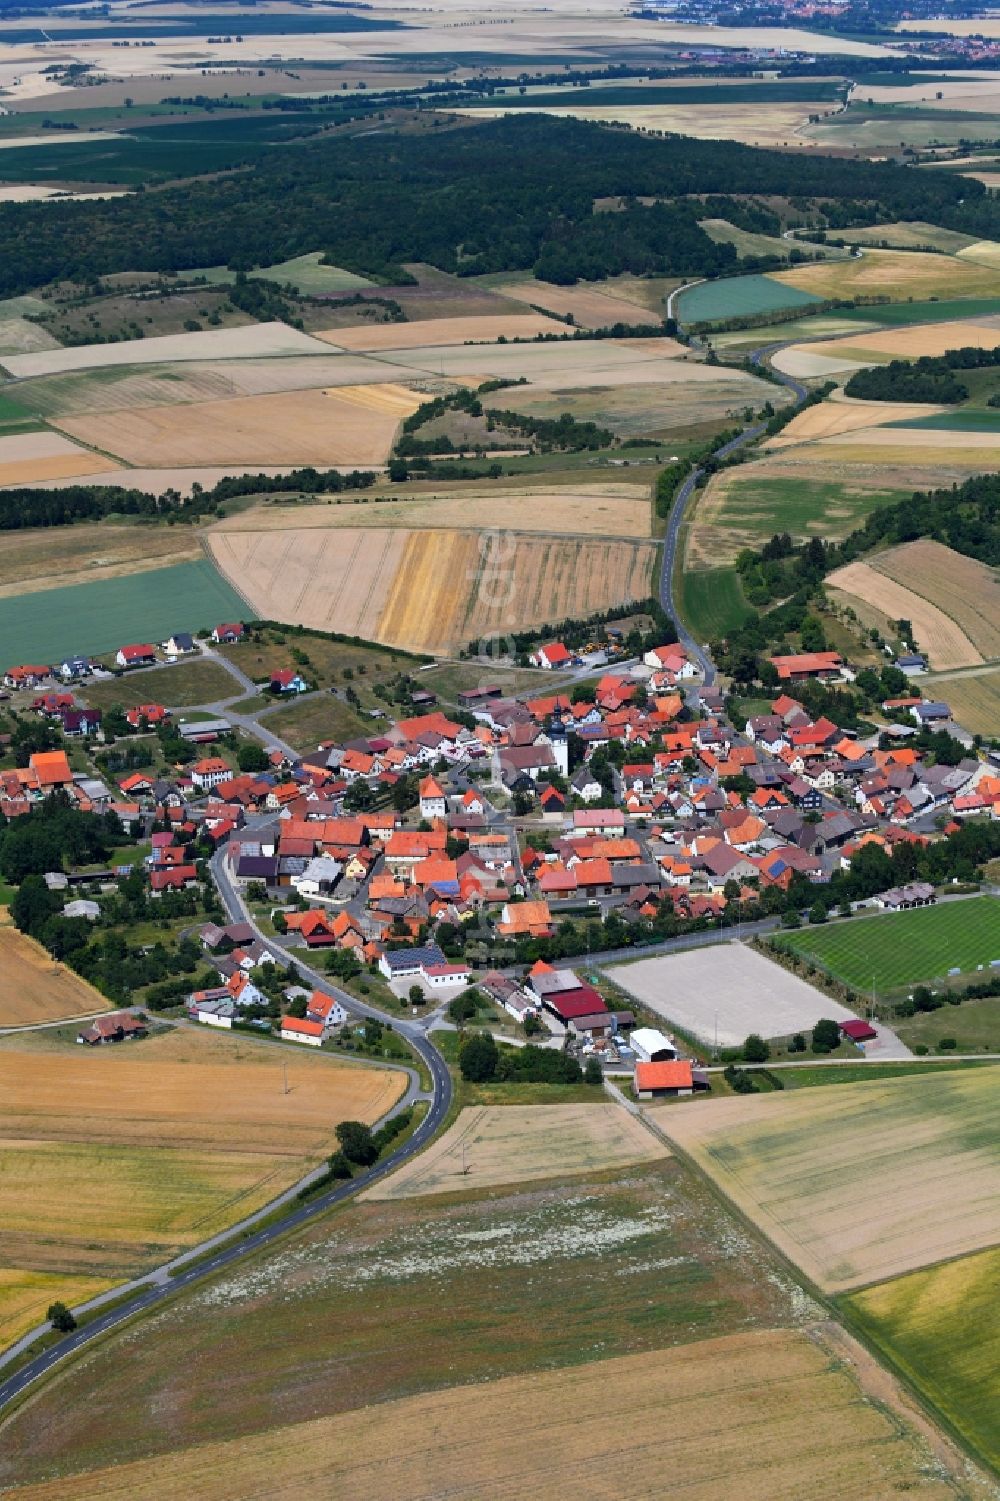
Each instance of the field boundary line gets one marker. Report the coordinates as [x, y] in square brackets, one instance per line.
[214, 561]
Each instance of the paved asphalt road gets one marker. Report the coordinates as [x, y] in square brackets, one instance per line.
[695, 648]
[228, 1256]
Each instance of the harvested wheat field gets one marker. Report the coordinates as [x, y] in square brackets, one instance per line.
[27, 457]
[427, 590]
[900, 274]
[843, 1179]
[771, 124]
[454, 587]
[780, 1414]
[944, 641]
[177, 1137]
[118, 387]
[608, 509]
[932, 448]
[899, 343]
[801, 361]
[587, 307]
[834, 417]
[35, 988]
[51, 557]
[433, 331]
[305, 427]
[967, 591]
[570, 364]
[499, 1144]
[254, 340]
[337, 580]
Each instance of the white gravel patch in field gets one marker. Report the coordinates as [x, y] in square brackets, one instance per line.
[575, 1227]
[732, 983]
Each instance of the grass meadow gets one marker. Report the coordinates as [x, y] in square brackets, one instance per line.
[941, 1327]
[904, 948]
[711, 602]
[799, 506]
[100, 617]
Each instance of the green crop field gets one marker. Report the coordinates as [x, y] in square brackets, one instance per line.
[942, 1328]
[942, 311]
[904, 948]
[305, 273]
[800, 506]
[738, 296]
[964, 420]
[711, 602]
[100, 617]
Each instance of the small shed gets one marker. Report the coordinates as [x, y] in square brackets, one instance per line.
[652, 1046]
[858, 1031]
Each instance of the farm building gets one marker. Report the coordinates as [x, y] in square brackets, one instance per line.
[554, 654]
[652, 1046]
[117, 1026]
[663, 1080]
[809, 664]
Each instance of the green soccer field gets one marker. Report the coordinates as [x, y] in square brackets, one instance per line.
[904, 948]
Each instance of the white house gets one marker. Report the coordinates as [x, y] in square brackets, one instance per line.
[294, 1029]
[228, 634]
[209, 772]
[180, 644]
[554, 654]
[325, 1009]
[445, 976]
[319, 877]
[433, 803]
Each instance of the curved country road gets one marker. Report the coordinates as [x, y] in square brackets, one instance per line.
[229, 1255]
[696, 649]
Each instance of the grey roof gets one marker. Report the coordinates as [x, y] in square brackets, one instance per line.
[414, 958]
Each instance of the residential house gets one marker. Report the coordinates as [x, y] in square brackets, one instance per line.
[228, 634]
[139, 655]
[824, 665]
[325, 1009]
[209, 772]
[116, 1026]
[287, 680]
[180, 644]
[433, 803]
[525, 920]
[312, 1034]
[553, 654]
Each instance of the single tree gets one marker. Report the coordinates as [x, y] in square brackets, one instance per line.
[825, 1036]
[61, 1318]
[356, 1142]
[755, 1049]
[593, 1073]
[478, 1058]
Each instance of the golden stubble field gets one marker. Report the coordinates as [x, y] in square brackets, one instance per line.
[830, 418]
[953, 601]
[35, 988]
[340, 425]
[897, 273]
[27, 457]
[857, 1183]
[55, 556]
[608, 509]
[485, 329]
[773, 1415]
[490, 1145]
[432, 589]
[115, 1157]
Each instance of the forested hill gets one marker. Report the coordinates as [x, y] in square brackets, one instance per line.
[506, 195]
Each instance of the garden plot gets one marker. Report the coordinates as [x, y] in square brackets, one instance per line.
[861, 1182]
[254, 339]
[498, 1144]
[334, 426]
[442, 331]
[28, 457]
[778, 1413]
[726, 991]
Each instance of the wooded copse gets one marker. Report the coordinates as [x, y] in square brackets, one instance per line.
[511, 194]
